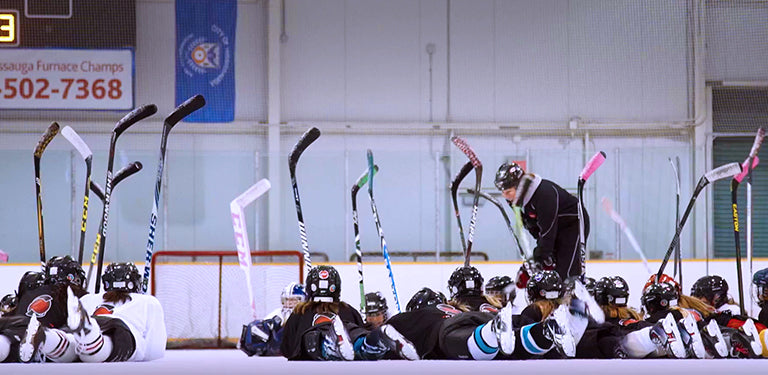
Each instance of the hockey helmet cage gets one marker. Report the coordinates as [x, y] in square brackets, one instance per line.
[465, 281]
[425, 297]
[713, 288]
[658, 297]
[664, 279]
[64, 270]
[292, 294]
[545, 285]
[124, 277]
[323, 284]
[508, 176]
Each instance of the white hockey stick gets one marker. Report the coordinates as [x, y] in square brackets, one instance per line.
[236, 207]
[608, 207]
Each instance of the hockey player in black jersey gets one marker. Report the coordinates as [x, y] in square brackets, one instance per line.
[325, 328]
[550, 214]
[376, 310]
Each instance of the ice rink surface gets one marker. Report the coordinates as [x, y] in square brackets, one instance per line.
[223, 362]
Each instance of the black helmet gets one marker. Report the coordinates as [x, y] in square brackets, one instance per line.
[502, 287]
[713, 288]
[612, 291]
[30, 281]
[465, 281]
[8, 303]
[589, 284]
[323, 284]
[425, 297]
[545, 285]
[64, 270]
[375, 303]
[508, 176]
[760, 286]
[658, 297]
[122, 277]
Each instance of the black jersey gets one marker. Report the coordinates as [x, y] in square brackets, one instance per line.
[763, 316]
[298, 324]
[48, 302]
[533, 313]
[422, 327]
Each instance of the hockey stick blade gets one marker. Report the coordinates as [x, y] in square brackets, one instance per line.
[739, 177]
[608, 207]
[122, 174]
[594, 163]
[758, 142]
[185, 109]
[460, 176]
[723, 171]
[253, 193]
[363, 179]
[133, 117]
[306, 139]
[47, 137]
[76, 142]
[464, 147]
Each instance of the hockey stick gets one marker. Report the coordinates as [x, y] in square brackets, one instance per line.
[87, 155]
[306, 139]
[183, 110]
[498, 204]
[678, 267]
[594, 163]
[608, 207]
[127, 121]
[122, 174]
[752, 154]
[734, 205]
[47, 137]
[361, 181]
[454, 189]
[464, 147]
[236, 208]
[719, 173]
[384, 249]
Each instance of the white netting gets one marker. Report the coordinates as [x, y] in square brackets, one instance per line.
[204, 294]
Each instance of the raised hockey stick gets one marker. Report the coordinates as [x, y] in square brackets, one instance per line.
[734, 206]
[97, 190]
[752, 154]
[361, 181]
[306, 139]
[608, 207]
[237, 208]
[384, 249]
[594, 163]
[87, 155]
[183, 110]
[47, 137]
[464, 147]
[678, 267]
[127, 121]
[498, 205]
[463, 172]
[719, 173]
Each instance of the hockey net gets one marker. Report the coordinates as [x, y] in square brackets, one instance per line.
[204, 297]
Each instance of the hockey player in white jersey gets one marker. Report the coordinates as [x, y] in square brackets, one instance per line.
[263, 336]
[121, 324]
[291, 296]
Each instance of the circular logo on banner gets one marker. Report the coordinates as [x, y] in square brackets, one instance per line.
[323, 274]
[209, 55]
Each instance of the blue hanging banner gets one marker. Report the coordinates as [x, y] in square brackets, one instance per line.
[205, 57]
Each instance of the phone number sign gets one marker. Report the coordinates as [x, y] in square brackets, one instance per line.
[66, 79]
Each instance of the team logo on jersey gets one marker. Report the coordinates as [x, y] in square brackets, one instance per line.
[322, 318]
[448, 310]
[40, 306]
[323, 274]
[104, 310]
[487, 307]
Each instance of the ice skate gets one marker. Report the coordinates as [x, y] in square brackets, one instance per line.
[32, 339]
[77, 318]
[559, 326]
[696, 344]
[592, 310]
[399, 343]
[673, 343]
[343, 343]
[714, 341]
[504, 330]
[750, 331]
